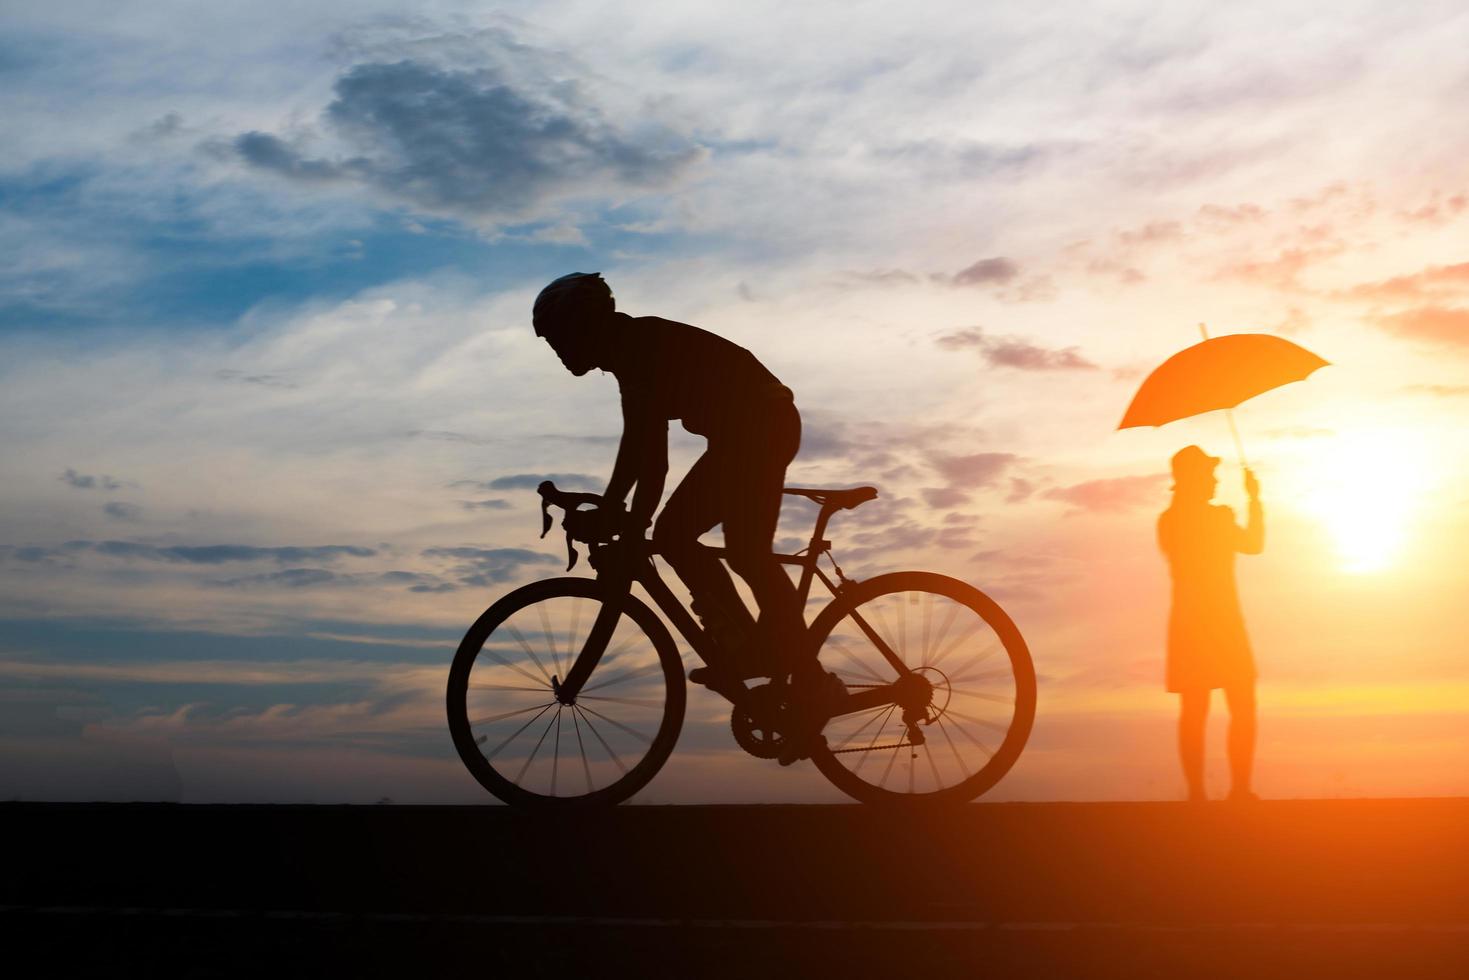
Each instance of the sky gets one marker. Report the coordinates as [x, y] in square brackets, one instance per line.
[273, 412]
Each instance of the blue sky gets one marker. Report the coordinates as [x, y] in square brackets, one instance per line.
[265, 286]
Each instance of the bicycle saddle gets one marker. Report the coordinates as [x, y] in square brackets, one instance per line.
[836, 499]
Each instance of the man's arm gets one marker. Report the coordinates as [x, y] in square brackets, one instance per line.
[642, 459]
[1252, 537]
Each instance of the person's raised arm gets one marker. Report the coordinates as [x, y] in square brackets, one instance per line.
[1252, 536]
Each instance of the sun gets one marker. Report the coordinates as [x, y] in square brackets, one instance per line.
[1367, 491]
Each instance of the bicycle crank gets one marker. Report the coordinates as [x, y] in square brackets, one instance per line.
[755, 722]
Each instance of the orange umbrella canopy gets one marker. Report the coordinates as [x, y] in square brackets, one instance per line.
[1219, 373]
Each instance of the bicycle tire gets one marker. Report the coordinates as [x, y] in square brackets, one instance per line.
[831, 757]
[518, 790]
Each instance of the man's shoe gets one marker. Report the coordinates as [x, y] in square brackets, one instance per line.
[810, 711]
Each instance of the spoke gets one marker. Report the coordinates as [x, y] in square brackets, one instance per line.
[963, 673]
[953, 748]
[639, 702]
[933, 767]
[866, 755]
[630, 675]
[571, 641]
[882, 783]
[903, 627]
[912, 770]
[841, 647]
[958, 641]
[938, 641]
[556, 753]
[617, 724]
[539, 742]
[491, 719]
[598, 736]
[528, 651]
[543, 689]
[876, 713]
[515, 667]
[997, 698]
[515, 734]
[886, 631]
[970, 735]
[927, 617]
[995, 673]
[581, 746]
[550, 637]
[993, 725]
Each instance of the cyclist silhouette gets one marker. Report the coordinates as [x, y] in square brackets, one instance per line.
[667, 370]
[1207, 643]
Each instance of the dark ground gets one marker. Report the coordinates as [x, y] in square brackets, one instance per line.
[1341, 888]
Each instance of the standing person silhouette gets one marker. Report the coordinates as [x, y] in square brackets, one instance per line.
[1207, 643]
[667, 370]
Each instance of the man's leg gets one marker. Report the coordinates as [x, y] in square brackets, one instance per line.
[695, 506]
[1241, 699]
[1193, 713]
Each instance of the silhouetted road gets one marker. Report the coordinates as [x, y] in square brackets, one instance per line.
[1309, 888]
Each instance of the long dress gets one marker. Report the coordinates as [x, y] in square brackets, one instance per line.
[1207, 643]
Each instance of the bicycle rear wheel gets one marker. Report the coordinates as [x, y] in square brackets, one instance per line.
[980, 688]
[525, 746]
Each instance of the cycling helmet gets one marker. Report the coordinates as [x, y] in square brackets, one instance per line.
[576, 297]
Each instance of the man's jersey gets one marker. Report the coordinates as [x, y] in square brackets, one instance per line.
[668, 370]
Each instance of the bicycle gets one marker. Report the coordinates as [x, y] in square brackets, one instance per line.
[537, 667]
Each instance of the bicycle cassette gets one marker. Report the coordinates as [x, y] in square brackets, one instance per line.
[756, 722]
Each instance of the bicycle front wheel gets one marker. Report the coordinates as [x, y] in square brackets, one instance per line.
[528, 748]
[976, 674]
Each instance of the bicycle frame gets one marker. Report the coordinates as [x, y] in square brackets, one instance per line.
[624, 570]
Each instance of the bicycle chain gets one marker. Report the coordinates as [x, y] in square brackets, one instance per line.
[874, 748]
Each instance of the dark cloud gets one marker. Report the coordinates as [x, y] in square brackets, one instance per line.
[494, 503]
[261, 380]
[1111, 495]
[484, 566]
[85, 481]
[492, 140]
[119, 511]
[218, 554]
[996, 271]
[417, 581]
[1020, 489]
[940, 497]
[1442, 325]
[975, 470]
[291, 578]
[529, 481]
[1015, 352]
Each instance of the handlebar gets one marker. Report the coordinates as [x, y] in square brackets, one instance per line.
[594, 527]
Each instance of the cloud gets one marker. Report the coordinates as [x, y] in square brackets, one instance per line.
[994, 271]
[1015, 352]
[497, 139]
[1434, 280]
[1111, 495]
[494, 503]
[84, 481]
[293, 578]
[529, 481]
[119, 511]
[483, 566]
[940, 497]
[1442, 325]
[976, 470]
[1441, 391]
[261, 380]
[218, 554]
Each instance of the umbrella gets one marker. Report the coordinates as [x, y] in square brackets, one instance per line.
[1219, 373]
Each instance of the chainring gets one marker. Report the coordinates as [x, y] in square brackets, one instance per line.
[755, 722]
